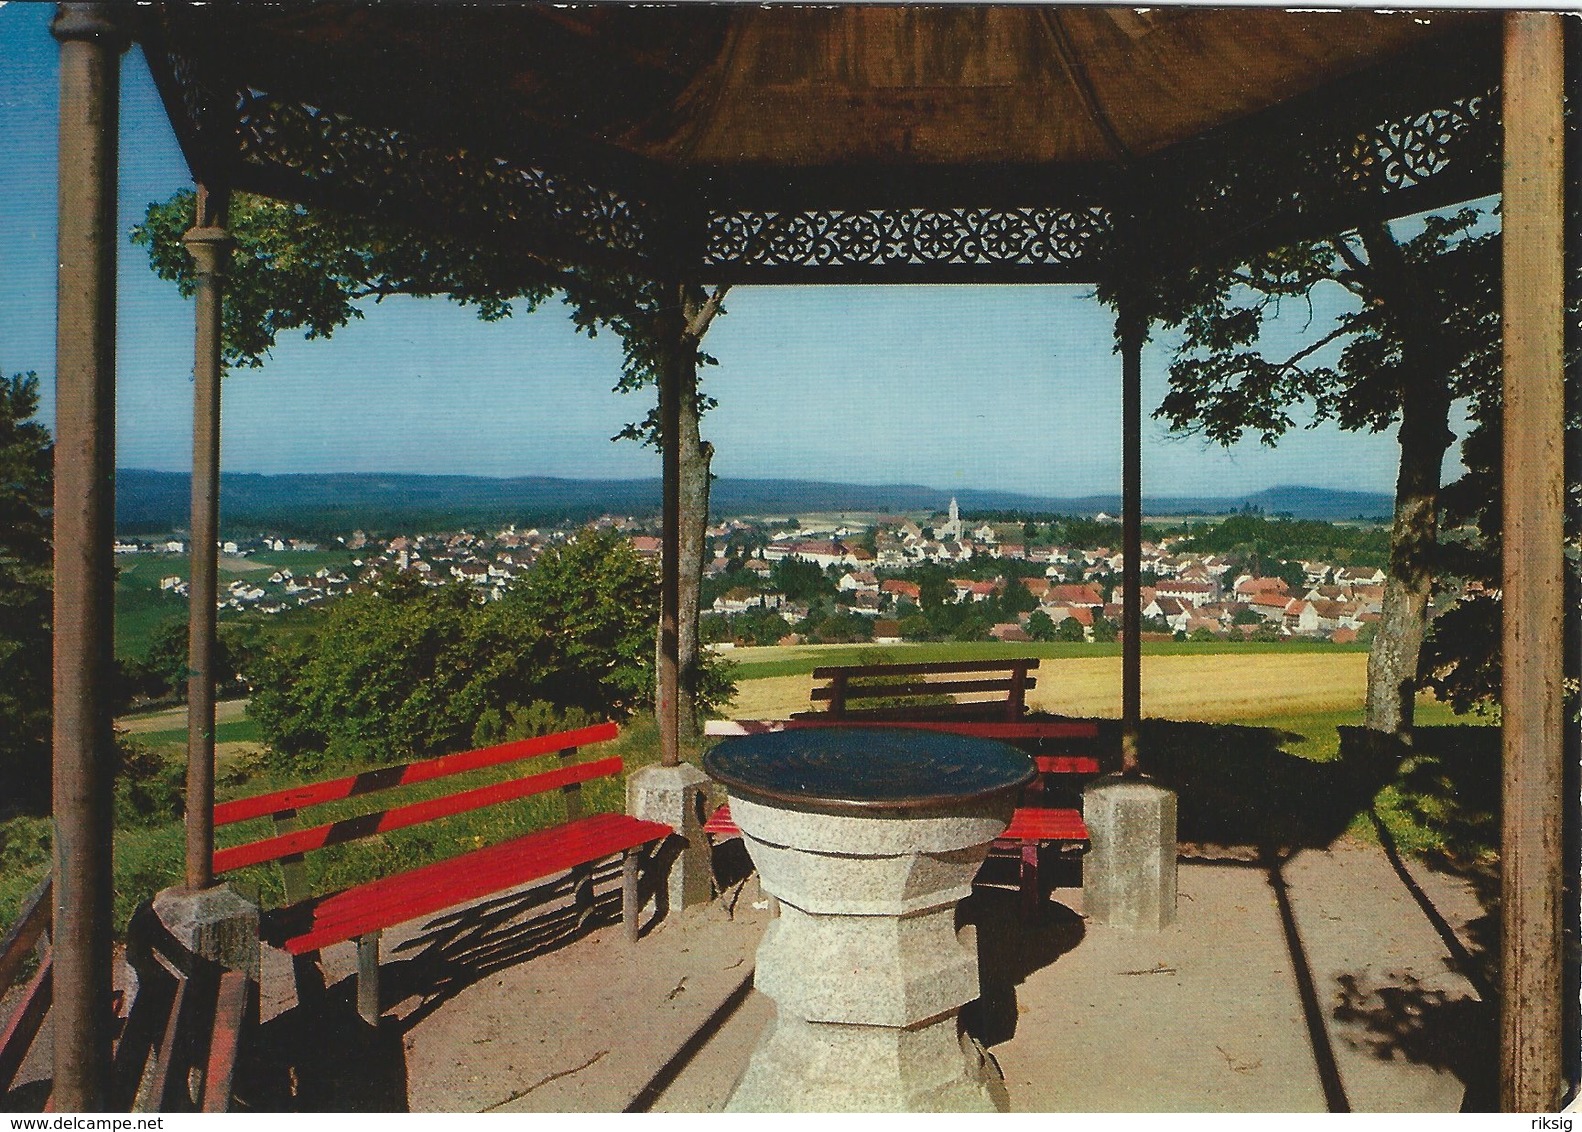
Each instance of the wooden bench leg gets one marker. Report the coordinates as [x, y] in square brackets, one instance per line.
[631, 905]
[1029, 879]
[368, 977]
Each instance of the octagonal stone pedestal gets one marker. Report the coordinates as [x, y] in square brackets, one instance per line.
[864, 963]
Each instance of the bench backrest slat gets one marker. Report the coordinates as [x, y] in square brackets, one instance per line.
[923, 669]
[404, 774]
[399, 817]
[918, 688]
[1034, 729]
[849, 685]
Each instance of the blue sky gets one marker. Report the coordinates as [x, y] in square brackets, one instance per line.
[987, 387]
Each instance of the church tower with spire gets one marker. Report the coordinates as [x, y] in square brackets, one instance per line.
[952, 528]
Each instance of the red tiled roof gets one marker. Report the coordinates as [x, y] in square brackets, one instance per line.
[1081, 614]
[1075, 594]
[1261, 585]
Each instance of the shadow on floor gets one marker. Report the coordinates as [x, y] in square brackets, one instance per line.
[1450, 784]
[320, 1056]
[1010, 948]
[1239, 790]
[1400, 1018]
[1243, 799]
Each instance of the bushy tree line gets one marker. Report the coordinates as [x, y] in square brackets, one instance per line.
[1293, 539]
[407, 670]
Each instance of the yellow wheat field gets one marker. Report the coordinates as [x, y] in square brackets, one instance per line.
[1214, 689]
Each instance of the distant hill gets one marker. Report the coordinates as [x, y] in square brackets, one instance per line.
[322, 503]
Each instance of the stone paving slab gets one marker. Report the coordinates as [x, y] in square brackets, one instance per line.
[1209, 1015]
[1336, 990]
[1213, 1014]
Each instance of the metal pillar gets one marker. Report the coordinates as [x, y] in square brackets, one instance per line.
[91, 42]
[1132, 330]
[210, 247]
[1533, 584]
[668, 677]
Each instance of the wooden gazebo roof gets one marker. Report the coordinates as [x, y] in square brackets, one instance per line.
[852, 143]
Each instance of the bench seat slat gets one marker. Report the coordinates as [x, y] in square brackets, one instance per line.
[1035, 823]
[922, 668]
[1066, 764]
[917, 688]
[489, 869]
[384, 821]
[1029, 823]
[344, 915]
[981, 710]
[445, 884]
[404, 774]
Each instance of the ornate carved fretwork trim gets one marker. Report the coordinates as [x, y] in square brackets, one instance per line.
[1415, 150]
[909, 237]
[454, 185]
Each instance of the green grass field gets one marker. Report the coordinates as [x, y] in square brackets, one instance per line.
[800, 660]
[235, 731]
[142, 608]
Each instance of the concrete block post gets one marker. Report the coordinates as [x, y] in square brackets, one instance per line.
[676, 796]
[1129, 874]
[212, 923]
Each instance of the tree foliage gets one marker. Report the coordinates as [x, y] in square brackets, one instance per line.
[300, 269]
[160, 674]
[1248, 533]
[26, 463]
[1414, 327]
[1236, 374]
[800, 580]
[1040, 627]
[407, 670]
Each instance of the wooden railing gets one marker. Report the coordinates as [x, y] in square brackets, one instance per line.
[29, 936]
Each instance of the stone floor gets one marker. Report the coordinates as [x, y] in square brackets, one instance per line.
[1335, 994]
[1331, 981]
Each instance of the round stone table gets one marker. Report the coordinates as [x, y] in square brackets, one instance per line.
[868, 837]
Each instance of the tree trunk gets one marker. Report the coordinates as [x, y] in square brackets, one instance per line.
[696, 455]
[1424, 437]
[1392, 661]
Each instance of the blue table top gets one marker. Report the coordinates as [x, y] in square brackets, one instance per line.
[860, 769]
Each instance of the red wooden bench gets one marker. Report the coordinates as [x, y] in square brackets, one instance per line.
[309, 923]
[1032, 826]
[926, 684]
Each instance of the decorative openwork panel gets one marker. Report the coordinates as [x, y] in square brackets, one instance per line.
[1030, 237]
[1246, 192]
[453, 186]
[1412, 151]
